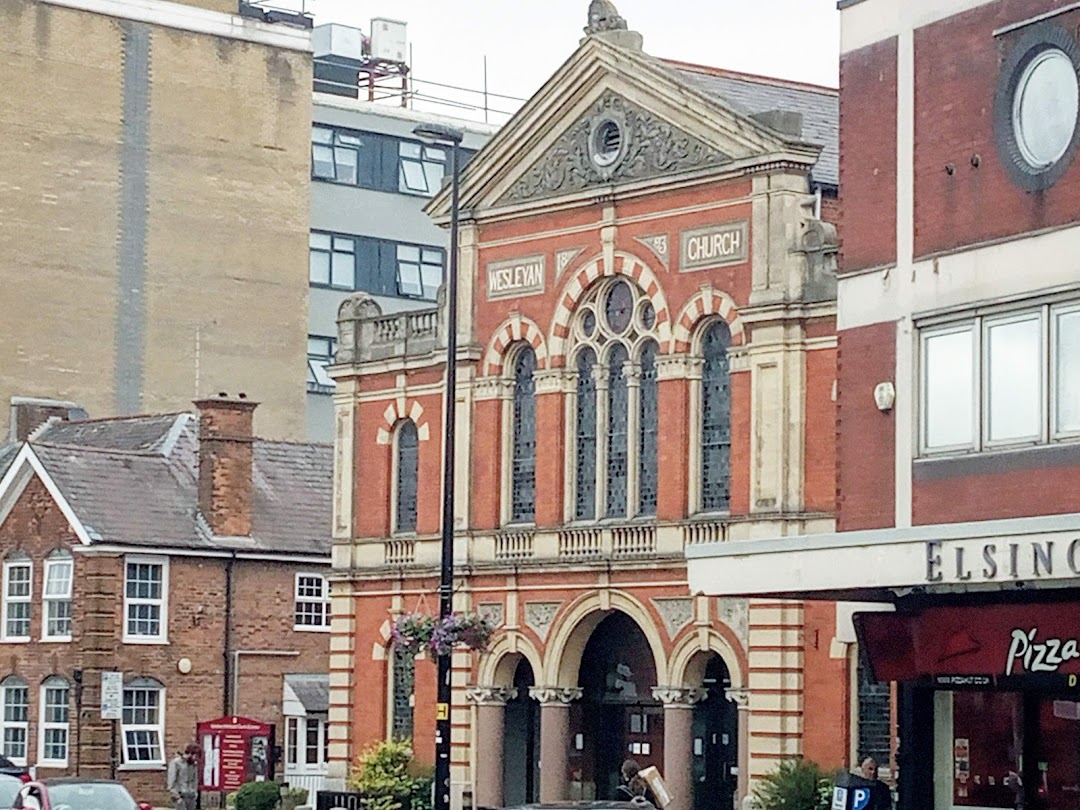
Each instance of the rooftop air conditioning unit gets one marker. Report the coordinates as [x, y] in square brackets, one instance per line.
[388, 40]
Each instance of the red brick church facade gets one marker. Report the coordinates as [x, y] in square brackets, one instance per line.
[647, 362]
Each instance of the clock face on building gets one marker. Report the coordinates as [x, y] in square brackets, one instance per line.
[619, 307]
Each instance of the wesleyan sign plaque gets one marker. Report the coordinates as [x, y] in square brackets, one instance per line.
[516, 277]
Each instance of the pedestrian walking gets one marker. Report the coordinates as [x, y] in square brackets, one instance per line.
[183, 778]
[633, 787]
[880, 795]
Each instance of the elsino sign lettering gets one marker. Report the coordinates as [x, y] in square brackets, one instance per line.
[999, 560]
[715, 246]
[515, 278]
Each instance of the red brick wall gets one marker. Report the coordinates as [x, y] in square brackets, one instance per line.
[866, 437]
[868, 150]
[957, 69]
[827, 705]
[820, 457]
[263, 620]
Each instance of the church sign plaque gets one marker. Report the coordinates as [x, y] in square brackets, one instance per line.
[715, 246]
[516, 277]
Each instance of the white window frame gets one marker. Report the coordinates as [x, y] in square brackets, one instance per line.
[980, 323]
[163, 635]
[296, 749]
[5, 724]
[47, 600]
[46, 725]
[299, 599]
[144, 685]
[9, 600]
[1052, 327]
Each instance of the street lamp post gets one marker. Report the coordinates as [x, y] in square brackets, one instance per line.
[452, 138]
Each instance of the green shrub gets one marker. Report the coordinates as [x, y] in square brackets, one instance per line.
[389, 778]
[294, 797]
[258, 796]
[795, 785]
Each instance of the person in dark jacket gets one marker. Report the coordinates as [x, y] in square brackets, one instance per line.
[880, 795]
[633, 787]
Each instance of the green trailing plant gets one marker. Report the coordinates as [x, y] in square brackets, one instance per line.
[258, 796]
[796, 784]
[388, 778]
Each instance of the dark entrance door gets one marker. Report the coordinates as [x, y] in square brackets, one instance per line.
[618, 718]
[716, 742]
[521, 743]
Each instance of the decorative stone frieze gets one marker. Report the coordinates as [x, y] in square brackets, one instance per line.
[555, 695]
[740, 697]
[539, 617]
[675, 697]
[675, 613]
[490, 695]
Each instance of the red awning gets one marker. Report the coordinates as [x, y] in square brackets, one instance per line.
[995, 641]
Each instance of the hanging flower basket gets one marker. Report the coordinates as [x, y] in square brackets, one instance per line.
[412, 632]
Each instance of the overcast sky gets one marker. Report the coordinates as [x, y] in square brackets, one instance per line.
[526, 40]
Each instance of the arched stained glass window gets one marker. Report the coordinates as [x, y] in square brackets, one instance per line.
[403, 685]
[647, 431]
[408, 467]
[716, 419]
[523, 483]
[617, 460]
[585, 429]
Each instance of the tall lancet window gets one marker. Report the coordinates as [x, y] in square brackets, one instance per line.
[648, 401]
[523, 483]
[716, 420]
[585, 433]
[408, 468]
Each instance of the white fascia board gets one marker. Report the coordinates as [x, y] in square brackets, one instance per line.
[196, 20]
[897, 559]
[25, 466]
[871, 21]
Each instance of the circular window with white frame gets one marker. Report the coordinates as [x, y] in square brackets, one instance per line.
[1037, 109]
[608, 140]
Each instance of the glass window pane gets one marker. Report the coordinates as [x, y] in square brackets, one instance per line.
[322, 162]
[319, 268]
[1068, 371]
[1014, 357]
[322, 135]
[345, 159]
[352, 140]
[433, 176]
[433, 257]
[319, 240]
[433, 153]
[343, 244]
[432, 279]
[949, 388]
[408, 253]
[413, 177]
[409, 149]
[409, 279]
[344, 270]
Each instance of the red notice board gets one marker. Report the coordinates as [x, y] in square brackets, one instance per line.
[235, 750]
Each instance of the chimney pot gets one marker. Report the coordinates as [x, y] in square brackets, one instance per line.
[30, 413]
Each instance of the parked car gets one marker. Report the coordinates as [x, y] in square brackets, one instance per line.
[9, 788]
[11, 769]
[73, 793]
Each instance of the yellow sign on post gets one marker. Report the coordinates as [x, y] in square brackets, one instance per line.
[442, 711]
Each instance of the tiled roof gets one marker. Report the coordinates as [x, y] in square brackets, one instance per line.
[134, 481]
[751, 95]
[313, 691]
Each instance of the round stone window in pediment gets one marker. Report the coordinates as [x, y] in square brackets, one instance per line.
[619, 307]
[1045, 108]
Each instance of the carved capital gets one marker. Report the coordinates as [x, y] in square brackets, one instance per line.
[555, 695]
[550, 382]
[488, 388]
[490, 695]
[675, 367]
[675, 697]
[740, 697]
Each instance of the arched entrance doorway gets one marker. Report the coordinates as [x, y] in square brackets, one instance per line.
[617, 717]
[716, 741]
[521, 741]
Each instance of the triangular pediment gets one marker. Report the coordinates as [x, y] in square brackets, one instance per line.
[651, 147]
[669, 130]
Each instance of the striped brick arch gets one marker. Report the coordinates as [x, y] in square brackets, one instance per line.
[706, 303]
[513, 330]
[624, 265]
[396, 411]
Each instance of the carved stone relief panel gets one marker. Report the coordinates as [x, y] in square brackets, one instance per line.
[540, 615]
[675, 613]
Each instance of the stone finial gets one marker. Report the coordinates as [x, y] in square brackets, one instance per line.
[605, 21]
[603, 16]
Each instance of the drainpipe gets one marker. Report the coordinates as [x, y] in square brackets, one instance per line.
[253, 654]
[226, 693]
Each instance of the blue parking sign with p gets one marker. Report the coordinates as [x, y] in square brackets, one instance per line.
[860, 798]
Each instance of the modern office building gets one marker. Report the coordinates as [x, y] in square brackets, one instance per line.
[153, 205]
[371, 178]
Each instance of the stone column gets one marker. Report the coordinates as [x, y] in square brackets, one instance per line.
[741, 698]
[554, 740]
[679, 742]
[490, 704]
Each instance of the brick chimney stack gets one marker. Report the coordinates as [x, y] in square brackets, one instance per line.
[226, 449]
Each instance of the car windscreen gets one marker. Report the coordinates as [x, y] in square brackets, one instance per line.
[91, 796]
[9, 786]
